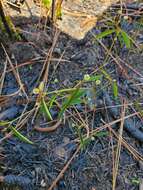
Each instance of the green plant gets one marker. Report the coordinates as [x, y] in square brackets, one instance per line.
[54, 8]
[113, 27]
[63, 98]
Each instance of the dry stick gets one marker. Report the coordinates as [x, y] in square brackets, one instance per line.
[131, 149]
[45, 78]
[46, 65]
[2, 81]
[3, 77]
[64, 169]
[31, 62]
[117, 158]
[116, 61]
[15, 73]
[59, 61]
[53, 10]
[135, 153]
[130, 67]
[49, 129]
[28, 7]
[5, 99]
[113, 122]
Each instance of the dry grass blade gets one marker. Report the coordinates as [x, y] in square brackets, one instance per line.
[135, 153]
[3, 77]
[3, 101]
[45, 69]
[131, 149]
[118, 151]
[15, 72]
[83, 123]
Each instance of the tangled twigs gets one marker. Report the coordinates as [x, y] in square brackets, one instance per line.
[128, 124]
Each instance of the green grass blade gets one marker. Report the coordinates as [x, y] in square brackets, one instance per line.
[46, 110]
[4, 123]
[126, 39]
[102, 134]
[52, 101]
[115, 88]
[47, 3]
[105, 33]
[20, 136]
[74, 98]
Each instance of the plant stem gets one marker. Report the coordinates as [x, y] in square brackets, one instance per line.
[3, 18]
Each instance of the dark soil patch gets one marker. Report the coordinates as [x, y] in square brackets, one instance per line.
[36, 166]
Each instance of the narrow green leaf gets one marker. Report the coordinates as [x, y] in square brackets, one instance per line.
[120, 38]
[20, 136]
[105, 33]
[59, 12]
[53, 99]
[46, 110]
[95, 77]
[101, 134]
[138, 107]
[115, 88]
[72, 99]
[107, 76]
[47, 3]
[135, 181]
[80, 137]
[3, 123]
[126, 39]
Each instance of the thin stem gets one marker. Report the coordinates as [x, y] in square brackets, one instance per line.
[3, 18]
